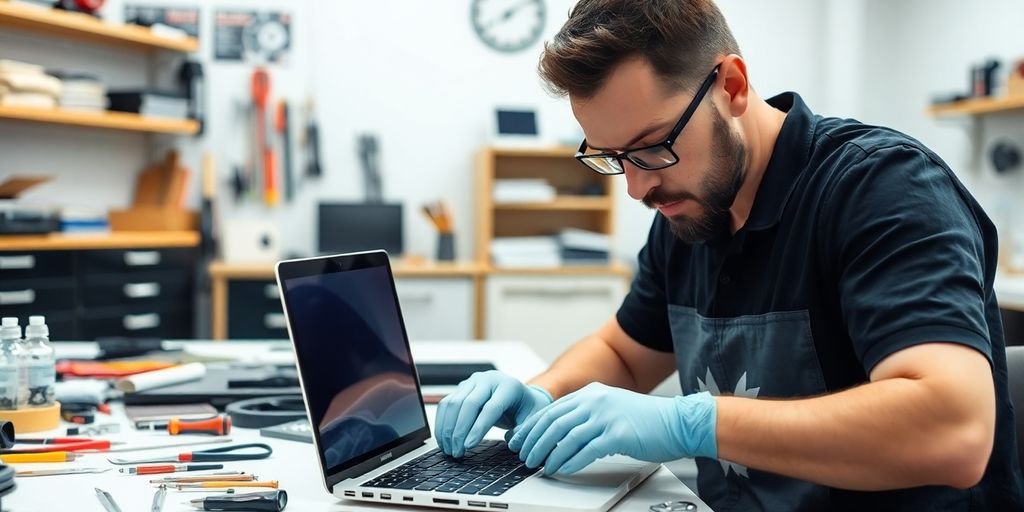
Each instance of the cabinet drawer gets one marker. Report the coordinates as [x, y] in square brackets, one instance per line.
[254, 310]
[36, 296]
[135, 260]
[552, 312]
[35, 264]
[158, 322]
[437, 308]
[136, 288]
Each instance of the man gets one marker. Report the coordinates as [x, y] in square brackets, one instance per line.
[823, 287]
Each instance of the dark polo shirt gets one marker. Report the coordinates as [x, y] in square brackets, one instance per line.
[861, 243]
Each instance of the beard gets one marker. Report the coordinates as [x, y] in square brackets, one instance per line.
[718, 189]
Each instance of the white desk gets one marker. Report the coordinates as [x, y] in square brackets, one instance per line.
[293, 464]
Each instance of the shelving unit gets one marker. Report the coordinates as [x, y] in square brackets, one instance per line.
[104, 120]
[569, 209]
[979, 106]
[82, 27]
[114, 240]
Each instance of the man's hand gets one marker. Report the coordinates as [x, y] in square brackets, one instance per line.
[599, 420]
[484, 400]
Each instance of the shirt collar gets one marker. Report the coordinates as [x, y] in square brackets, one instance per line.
[789, 158]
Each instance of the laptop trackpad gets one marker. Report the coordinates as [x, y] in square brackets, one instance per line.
[608, 472]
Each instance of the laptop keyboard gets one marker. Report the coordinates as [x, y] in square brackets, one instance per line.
[489, 469]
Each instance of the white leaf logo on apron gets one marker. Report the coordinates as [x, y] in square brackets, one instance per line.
[710, 385]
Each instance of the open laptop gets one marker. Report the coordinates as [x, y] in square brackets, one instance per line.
[370, 429]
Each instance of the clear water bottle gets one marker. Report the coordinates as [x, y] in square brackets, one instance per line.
[41, 363]
[10, 363]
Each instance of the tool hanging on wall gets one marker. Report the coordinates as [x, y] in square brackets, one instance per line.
[190, 76]
[314, 167]
[283, 125]
[261, 99]
[369, 157]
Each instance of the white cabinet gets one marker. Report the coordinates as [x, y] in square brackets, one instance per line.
[437, 308]
[550, 312]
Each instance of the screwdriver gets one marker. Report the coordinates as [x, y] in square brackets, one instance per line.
[225, 485]
[219, 425]
[156, 469]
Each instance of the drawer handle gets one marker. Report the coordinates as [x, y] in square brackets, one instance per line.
[18, 297]
[139, 322]
[424, 298]
[271, 292]
[141, 258]
[558, 292]
[17, 262]
[274, 321]
[141, 290]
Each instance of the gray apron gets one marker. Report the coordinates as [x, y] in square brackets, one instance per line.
[758, 356]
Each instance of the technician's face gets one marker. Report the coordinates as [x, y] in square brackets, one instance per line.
[632, 110]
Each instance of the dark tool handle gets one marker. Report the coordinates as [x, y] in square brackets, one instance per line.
[224, 454]
[272, 501]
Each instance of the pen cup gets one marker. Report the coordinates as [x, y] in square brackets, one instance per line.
[445, 247]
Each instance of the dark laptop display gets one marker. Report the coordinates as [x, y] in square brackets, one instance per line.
[357, 373]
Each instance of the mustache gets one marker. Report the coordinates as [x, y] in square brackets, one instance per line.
[658, 196]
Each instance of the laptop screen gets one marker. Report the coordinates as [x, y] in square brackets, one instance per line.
[357, 371]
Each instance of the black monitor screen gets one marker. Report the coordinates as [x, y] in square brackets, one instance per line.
[357, 371]
[355, 227]
[517, 122]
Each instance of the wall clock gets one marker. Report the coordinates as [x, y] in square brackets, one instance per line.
[508, 25]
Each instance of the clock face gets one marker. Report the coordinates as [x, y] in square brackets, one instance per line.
[508, 25]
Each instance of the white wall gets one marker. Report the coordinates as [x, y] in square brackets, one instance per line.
[917, 48]
[411, 72]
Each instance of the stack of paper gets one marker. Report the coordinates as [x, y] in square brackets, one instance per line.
[581, 247]
[81, 91]
[523, 191]
[525, 251]
[27, 85]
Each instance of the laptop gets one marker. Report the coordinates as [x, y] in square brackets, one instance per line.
[369, 424]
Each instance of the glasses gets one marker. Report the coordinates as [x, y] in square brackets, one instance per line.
[649, 158]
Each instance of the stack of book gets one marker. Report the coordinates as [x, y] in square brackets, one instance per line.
[525, 251]
[27, 85]
[81, 91]
[148, 102]
[523, 191]
[581, 247]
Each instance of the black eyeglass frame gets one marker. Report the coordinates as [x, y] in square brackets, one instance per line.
[666, 144]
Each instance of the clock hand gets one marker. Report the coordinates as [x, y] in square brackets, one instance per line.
[507, 15]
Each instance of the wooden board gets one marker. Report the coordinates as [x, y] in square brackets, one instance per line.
[114, 240]
[107, 120]
[82, 27]
[978, 106]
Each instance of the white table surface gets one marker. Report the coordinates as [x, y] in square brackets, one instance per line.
[293, 464]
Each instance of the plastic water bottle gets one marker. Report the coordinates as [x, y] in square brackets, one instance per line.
[10, 363]
[41, 367]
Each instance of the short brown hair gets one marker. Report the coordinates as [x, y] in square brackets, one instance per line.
[679, 38]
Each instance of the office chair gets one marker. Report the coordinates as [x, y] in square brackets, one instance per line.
[1015, 372]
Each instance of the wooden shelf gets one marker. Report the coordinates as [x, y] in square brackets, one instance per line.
[83, 27]
[222, 270]
[106, 120]
[613, 269]
[113, 240]
[976, 107]
[581, 203]
[542, 152]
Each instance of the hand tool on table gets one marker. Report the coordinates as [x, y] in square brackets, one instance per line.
[23, 473]
[220, 476]
[269, 501]
[21, 458]
[157, 469]
[224, 485]
[223, 454]
[195, 442]
[61, 444]
[107, 500]
[260, 99]
[158, 499]
[218, 425]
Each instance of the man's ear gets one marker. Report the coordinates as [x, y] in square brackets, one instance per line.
[732, 73]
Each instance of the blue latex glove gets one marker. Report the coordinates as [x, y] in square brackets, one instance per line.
[484, 400]
[600, 420]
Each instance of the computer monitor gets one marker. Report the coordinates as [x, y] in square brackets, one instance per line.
[354, 227]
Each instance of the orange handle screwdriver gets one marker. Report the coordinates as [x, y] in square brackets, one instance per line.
[219, 425]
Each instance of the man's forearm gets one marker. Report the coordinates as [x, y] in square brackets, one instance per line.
[893, 433]
[589, 360]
